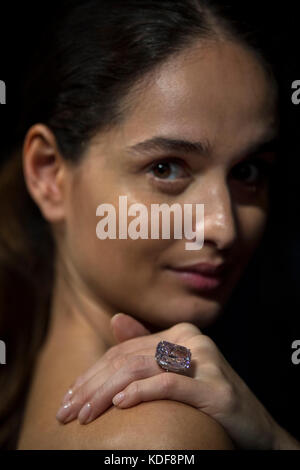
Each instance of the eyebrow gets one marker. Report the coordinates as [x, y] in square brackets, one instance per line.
[168, 144]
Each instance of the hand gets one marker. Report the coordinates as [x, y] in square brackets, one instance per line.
[210, 385]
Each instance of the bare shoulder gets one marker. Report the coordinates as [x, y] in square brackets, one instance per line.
[162, 424]
[159, 424]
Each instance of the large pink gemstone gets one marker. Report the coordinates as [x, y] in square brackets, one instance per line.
[172, 357]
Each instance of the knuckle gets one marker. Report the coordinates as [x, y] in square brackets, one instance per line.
[82, 395]
[205, 350]
[118, 361]
[227, 396]
[213, 370]
[137, 364]
[184, 330]
[133, 388]
[205, 342]
[167, 382]
[98, 395]
[186, 327]
[112, 352]
[195, 342]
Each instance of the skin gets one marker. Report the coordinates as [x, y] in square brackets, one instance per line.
[215, 92]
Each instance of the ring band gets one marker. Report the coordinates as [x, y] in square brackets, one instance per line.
[172, 357]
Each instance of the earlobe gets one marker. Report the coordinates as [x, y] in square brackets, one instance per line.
[44, 171]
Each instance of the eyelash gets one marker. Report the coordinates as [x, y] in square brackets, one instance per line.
[263, 167]
[168, 162]
[174, 186]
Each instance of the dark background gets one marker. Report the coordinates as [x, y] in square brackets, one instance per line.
[263, 319]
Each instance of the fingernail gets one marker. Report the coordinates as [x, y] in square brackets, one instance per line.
[84, 416]
[67, 396]
[118, 398]
[65, 413]
[116, 315]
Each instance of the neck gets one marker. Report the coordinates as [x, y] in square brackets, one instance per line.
[78, 320]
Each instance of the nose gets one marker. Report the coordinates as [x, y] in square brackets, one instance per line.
[220, 222]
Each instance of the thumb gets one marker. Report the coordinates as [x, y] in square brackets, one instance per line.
[125, 327]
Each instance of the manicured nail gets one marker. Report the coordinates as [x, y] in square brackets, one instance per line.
[67, 396]
[84, 416]
[65, 413]
[118, 398]
[113, 318]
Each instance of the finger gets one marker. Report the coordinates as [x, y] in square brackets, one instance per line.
[84, 379]
[169, 386]
[139, 367]
[88, 388]
[179, 333]
[111, 378]
[126, 327]
[133, 346]
[103, 368]
[106, 376]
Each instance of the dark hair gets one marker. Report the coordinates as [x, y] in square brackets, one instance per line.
[92, 55]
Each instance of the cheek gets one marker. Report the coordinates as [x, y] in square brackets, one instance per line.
[109, 266]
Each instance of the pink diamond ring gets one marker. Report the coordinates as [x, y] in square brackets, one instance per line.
[172, 357]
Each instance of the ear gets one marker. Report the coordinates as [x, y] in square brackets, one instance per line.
[45, 172]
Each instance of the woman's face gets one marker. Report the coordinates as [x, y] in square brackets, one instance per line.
[216, 94]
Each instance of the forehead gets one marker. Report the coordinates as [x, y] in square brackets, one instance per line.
[218, 91]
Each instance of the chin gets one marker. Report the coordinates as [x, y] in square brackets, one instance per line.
[199, 312]
[205, 318]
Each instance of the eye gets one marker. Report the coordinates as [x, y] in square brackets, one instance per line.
[252, 172]
[168, 170]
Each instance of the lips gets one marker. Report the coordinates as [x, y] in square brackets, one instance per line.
[202, 268]
[201, 276]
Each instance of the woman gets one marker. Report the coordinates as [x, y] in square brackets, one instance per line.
[161, 102]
